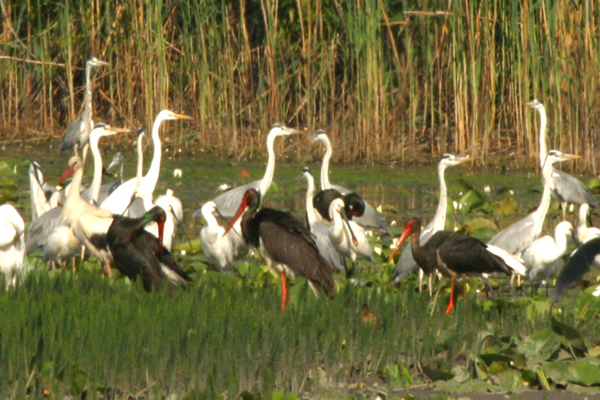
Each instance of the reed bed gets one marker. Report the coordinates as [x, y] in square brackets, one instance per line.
[388, 80]
[64, 334]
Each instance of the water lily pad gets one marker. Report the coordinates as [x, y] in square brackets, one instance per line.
[540, 346]
[506, 206]
[573, 336]
[469, 200]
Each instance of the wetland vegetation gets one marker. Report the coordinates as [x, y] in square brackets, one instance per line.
[395, 84]
[75, 334]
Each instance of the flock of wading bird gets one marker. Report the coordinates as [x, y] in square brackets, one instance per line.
[122, 224]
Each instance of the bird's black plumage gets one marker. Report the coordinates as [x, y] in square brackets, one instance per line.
[454, 254]
[577, 266]
[323, 199]
[137, 252]
[287, 241]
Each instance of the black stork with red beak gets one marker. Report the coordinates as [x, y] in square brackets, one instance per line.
[136, 251]
[454, 255]
[286, 244]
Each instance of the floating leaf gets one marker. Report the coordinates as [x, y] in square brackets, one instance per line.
[469, 200]
[572, 335]
[540, 346]
[509, 379]
[506, 206]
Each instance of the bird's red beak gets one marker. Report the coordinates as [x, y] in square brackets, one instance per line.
[161, 229]
[405, 234]
[64, 176]
[237, 215]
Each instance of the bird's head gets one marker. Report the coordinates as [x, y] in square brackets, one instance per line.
[535, 104]
[75, 164]
[555, 156]
[94, 62]
[168, 115]
[279, 129]
[450, 160]
[354, 205]
[250, 200]
[413, 225]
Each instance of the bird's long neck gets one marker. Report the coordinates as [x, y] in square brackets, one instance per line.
[545, 201]
[97, 180]
[561, 241]
[151, 177]
[210, 219]
[140, 162]
[440, 214]
[543, 145]
[74, 196]
[325, 184]
[310, 209]
[87, 108]
[265, 183]
[582, 222]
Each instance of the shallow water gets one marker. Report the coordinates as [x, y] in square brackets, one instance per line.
[402, 190]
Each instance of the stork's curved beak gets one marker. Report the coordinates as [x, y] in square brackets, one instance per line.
[238, 214]
[401, 240]
[161, 230]
[65, 175]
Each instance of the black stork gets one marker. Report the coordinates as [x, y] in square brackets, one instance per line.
[136, 252]
[286, 244]
[452, 254]
[578, 266]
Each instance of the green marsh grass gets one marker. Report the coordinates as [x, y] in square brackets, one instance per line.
[73, 333]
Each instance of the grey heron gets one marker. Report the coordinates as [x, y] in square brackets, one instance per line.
[320, 231]
[12, 244]
[118, 201]
[406, 265]
[228, 202]
[566, 188]
[43, 196]
[518, 236]
[78, 133]
[107, 188]
[370, 219]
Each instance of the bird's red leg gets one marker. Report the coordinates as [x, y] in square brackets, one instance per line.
[284, 293]
[451, 303]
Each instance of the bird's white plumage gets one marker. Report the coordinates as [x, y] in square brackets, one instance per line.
[118, 200]
[341, 238]
[12, 244]
[585, 233]
[217, 246]
[543, 256]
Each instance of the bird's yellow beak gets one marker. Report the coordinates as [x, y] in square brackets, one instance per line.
[181, 116]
